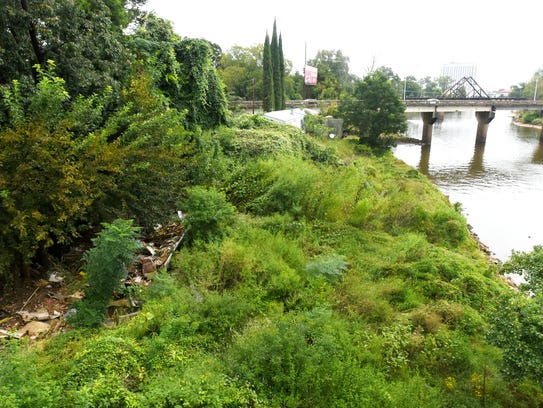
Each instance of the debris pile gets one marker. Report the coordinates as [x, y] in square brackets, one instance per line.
[47, 302]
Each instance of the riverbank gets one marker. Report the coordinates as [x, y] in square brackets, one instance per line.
[526, 125]
[344, 266]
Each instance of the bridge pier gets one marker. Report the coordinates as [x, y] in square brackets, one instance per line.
[428, 120]
[541, 134]
[483, 120]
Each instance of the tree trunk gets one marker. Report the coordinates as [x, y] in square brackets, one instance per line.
[33, 35]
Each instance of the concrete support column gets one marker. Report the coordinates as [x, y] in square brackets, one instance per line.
[483, 119]
[541, 134]
[428, 119]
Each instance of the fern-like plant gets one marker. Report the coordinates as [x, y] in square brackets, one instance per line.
[106, 265]
[330, 266]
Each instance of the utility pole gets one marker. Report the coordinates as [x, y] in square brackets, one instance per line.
[253, 96]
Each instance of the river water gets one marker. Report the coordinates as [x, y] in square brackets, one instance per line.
[499, 185]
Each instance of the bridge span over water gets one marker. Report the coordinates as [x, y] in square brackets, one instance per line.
[484, 108]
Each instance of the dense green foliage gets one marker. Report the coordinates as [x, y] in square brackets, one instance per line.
[333, 282]
[334, 79]
[518, 324]
[374, 111]
[313, 274]
[71, 33]
[94, 132]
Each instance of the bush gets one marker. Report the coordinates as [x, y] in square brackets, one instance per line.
[200, 382]
[299, 360]
[530, 116]
[208, 213]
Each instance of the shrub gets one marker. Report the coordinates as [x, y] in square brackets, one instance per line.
[105, 372]
[208, 213]
[299, 360]
[106, 265]
[200, 382]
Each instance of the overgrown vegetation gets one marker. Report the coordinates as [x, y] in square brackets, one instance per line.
[315, 273]
[338, 283]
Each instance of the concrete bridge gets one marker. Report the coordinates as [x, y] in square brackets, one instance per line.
[485, 111]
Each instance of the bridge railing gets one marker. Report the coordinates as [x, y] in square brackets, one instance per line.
[502, 102]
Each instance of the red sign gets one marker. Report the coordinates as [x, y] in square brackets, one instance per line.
[310, 75]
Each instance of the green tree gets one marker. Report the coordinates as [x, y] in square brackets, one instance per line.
[517, 322]
[394, 79]
[88, 48]
[281, 73]
[430, 88]
[374, 111]
[184, 70]
[412, 88]
[268, 98]
[241, 69]
[202, 92]
[48, 179]
[334, 79]
[276, 52]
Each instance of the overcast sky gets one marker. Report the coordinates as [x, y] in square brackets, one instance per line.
[412, 37]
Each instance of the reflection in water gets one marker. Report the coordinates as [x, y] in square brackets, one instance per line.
[476, 164]
[498, 184]
[424, 163]
[537, 158]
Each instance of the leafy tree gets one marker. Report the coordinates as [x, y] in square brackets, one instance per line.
[412, 88]
[394, 79]
[374, 111]
[184, 70]
[241, 71]
[65, 167]
[268, 98]
[444, 83]
[528, 90]
[517, 322]
[48, 179]
[430, 88]
[334, 78]
[202, 92]
[517, 91]
[74, 34]
[122, 12]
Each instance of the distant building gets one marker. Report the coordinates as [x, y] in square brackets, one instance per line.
[459, 71]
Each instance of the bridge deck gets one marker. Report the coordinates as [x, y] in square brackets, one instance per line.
[456, 105]
[422, 105]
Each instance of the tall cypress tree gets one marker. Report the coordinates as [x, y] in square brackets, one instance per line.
[275, 67]
[282, 73]
[268, 99]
